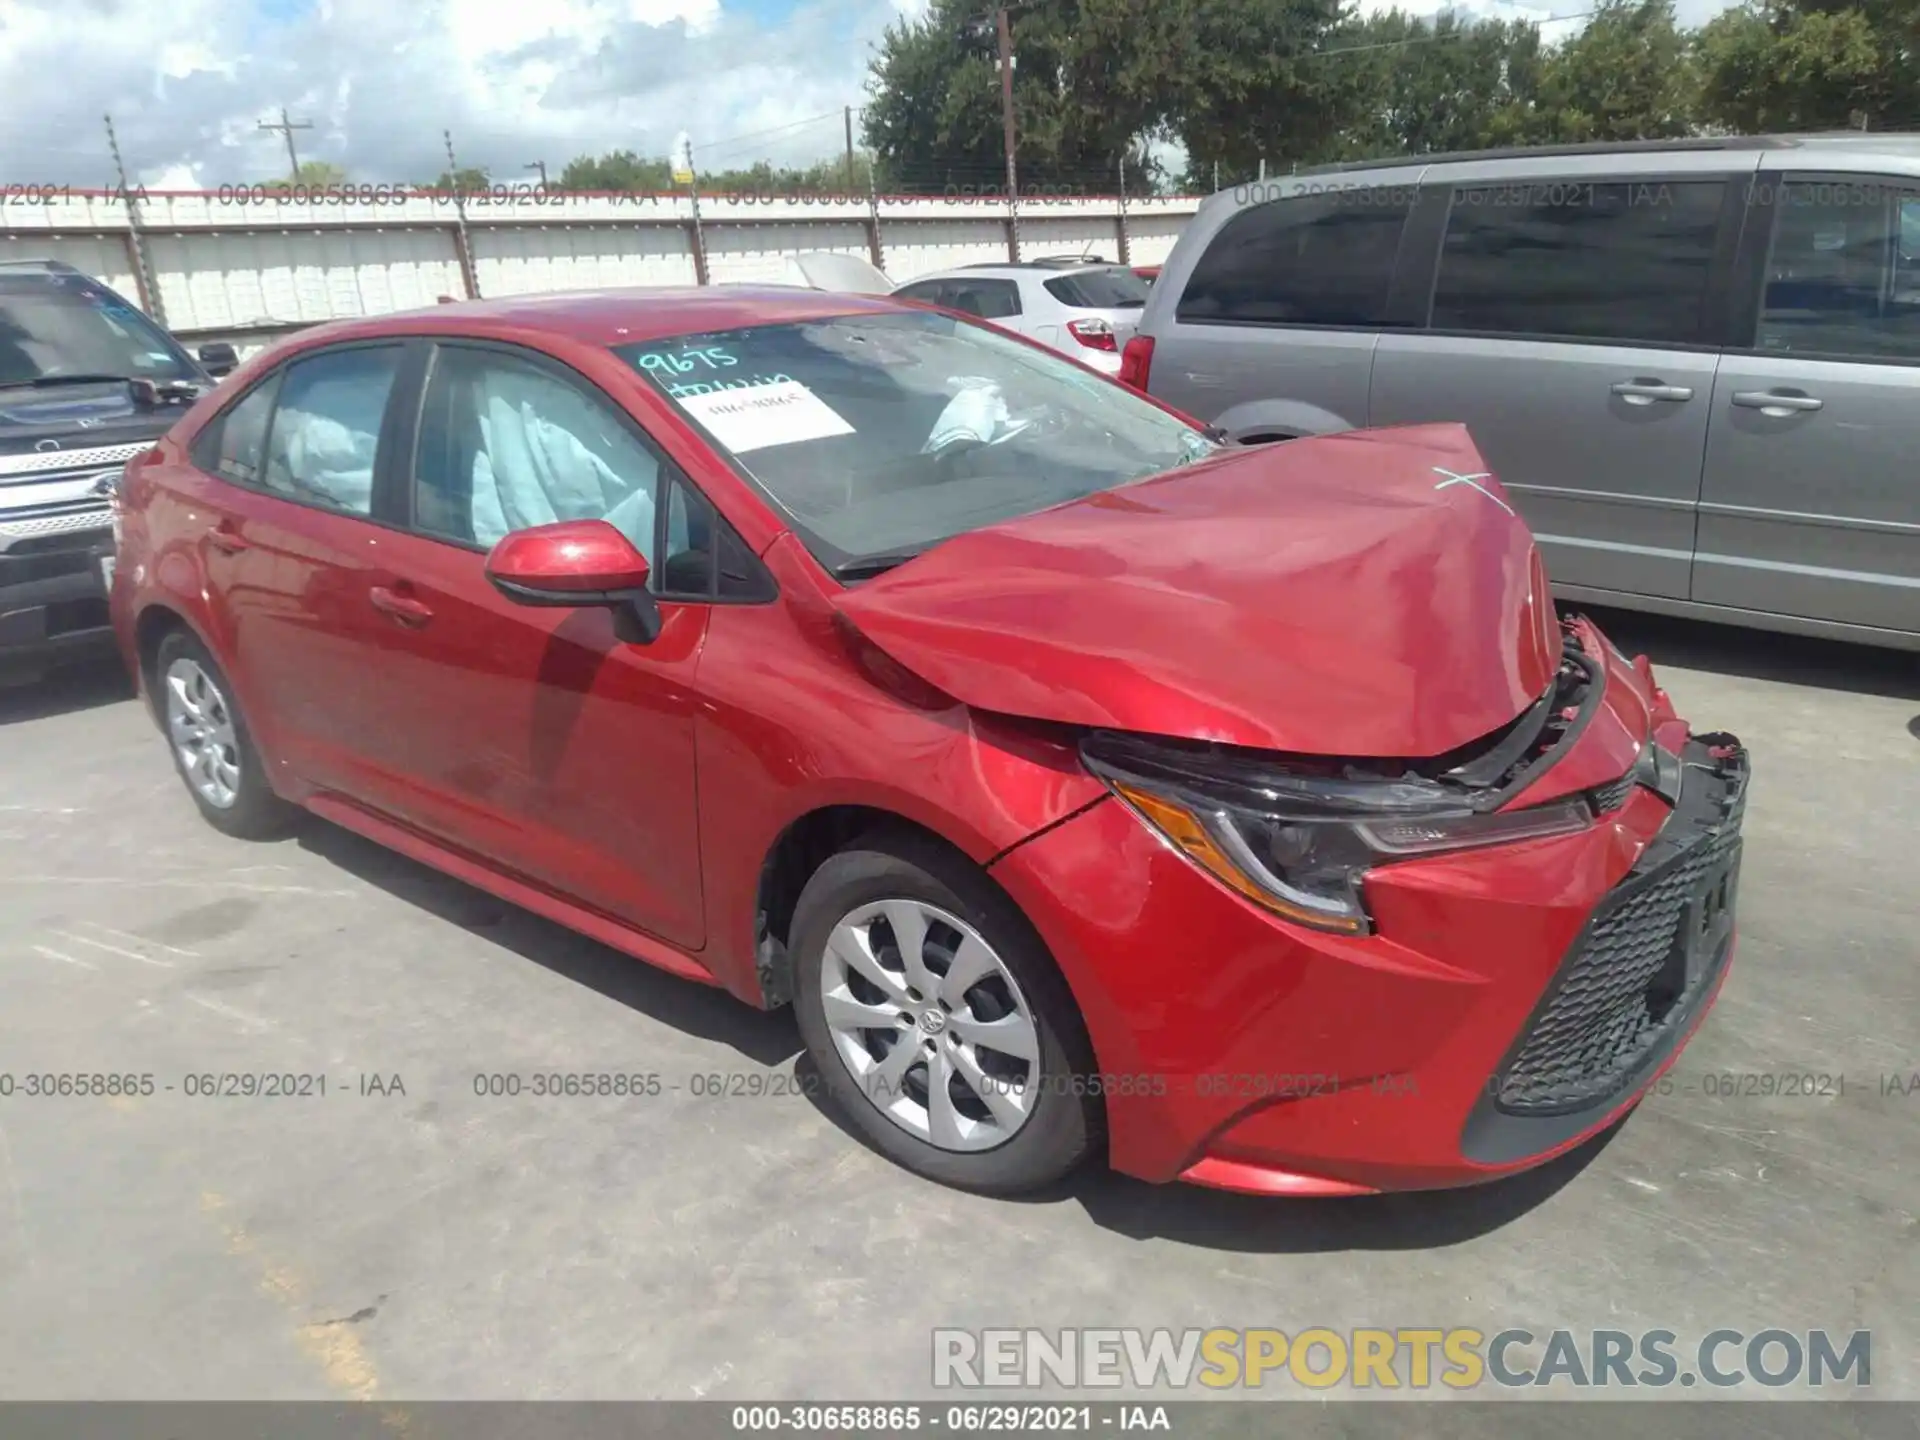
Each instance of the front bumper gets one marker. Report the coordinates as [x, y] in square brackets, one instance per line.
[1512, 1001]
[52, 597]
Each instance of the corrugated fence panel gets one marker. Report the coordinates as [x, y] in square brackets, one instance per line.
[103, 257]
[743, 254]
[526, 260]
[1150, 237]
[1041, 235]
[919, 247]
[216, 281]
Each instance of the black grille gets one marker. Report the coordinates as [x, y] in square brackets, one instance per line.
[1622, 989]
[1610, 797]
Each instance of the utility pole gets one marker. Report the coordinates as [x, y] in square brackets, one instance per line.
[462, 242]
[1005, 28]
[1126, 250]
[849, 150]
[286, 127]
[142, 272]
[541, 166]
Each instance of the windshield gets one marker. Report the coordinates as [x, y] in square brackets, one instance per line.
[880, 434]
[53, 325]
[1114, 289]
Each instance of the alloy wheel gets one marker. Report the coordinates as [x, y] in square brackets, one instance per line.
[931, 1024]
[200, 726]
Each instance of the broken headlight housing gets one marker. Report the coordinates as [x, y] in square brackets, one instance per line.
[1296, 837]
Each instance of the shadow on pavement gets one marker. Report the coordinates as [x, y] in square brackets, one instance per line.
[76, 685]
[1761, 654]
[767, 1039]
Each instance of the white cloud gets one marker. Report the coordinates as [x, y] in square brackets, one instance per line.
[188, 82]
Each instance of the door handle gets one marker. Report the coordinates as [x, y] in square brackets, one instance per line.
[1645, 392]
[226, 539]
[1777, 403]
[404, 608]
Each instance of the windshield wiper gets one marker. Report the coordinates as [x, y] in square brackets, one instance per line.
[865, 567]
[48, 380]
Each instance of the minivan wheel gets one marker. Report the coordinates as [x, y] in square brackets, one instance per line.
[937, 1020]
[211, 746]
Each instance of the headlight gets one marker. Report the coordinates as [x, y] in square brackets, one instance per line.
[1297, 838]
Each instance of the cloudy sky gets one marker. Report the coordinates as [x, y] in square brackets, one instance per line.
[188, 81]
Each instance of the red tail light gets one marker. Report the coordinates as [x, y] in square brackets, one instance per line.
[1094, 334]
[1135, 361]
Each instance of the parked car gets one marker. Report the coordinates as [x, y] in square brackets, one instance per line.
[1693, 364]
[1244, 815]
[1081, 308]
[86, 382]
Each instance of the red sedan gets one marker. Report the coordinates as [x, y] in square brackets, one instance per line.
[1245, 815]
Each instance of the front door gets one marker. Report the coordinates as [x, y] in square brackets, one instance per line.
[1811, 504]
[532, 737]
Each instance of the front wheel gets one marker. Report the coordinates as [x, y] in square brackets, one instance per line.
[937, 1019]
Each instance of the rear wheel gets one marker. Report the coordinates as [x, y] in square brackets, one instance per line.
[937, 1019]
[211, 746]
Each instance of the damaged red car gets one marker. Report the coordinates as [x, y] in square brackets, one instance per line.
[1244, 816]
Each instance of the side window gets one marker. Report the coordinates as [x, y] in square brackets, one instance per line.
[326, 427]
[1626, 261]
[705, 558]
[506, 444]
[234, 446]
[988, 299]
[1843, 278]
[927, 292]
[1322, 259]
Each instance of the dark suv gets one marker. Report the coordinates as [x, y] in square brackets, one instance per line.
[86, 383]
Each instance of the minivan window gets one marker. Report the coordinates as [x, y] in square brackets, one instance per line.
[1625, 261]
[1843, 278]
[60, 324]
[1114, 289]
[1317, 259]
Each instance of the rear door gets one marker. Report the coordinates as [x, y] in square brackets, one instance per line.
[1811, 503]
[534, 737]
[289, 549]
[1273, 330]
[1575, 326]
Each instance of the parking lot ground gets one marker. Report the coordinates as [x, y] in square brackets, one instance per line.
[402, 1236]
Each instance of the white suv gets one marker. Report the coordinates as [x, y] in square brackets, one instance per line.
[1081, 307]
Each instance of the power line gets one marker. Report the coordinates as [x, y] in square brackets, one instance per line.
[1434, 39]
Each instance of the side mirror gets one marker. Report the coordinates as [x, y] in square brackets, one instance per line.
[578, 564]
[219, 359]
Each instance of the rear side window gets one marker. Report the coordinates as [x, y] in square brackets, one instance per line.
[988, 299]
[1114, 289]
[234, 446]
[1625, 261]
[326, 427]
[1843, 278]
[1321, 259]
[927, 292]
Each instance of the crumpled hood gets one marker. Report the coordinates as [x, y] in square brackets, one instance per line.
[1364, 594]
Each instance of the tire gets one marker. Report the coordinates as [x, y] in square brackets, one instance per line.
[252, 811]
[969, 1144]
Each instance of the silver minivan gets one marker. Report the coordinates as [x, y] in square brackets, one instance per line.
[1694, 365]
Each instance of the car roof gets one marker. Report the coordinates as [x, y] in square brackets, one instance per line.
[1007, 270]
[615, 317]
[1864, 142]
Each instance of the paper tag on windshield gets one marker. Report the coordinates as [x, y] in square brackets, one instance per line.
[756, 416]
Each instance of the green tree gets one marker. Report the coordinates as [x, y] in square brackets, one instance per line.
[467, 177]
[1769, 66]
[1629, 75]
[618, 170]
